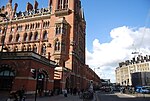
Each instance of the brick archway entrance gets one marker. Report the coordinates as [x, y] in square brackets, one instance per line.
[7, 76]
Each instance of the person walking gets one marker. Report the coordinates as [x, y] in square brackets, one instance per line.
[65, 92]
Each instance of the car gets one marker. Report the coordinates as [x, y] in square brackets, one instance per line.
[143, 89]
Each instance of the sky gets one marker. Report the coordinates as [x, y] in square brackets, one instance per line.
[114, 29]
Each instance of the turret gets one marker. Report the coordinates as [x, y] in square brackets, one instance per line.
[15, 7]
[9, 1]
[49, 3]
[29, 7]
[35, 4]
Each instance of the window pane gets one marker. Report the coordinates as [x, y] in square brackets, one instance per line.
[6, 73]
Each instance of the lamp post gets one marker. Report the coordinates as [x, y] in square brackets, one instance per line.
[95, 76]
[5, 30]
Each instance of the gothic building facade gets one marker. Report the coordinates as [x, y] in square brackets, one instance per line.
[56, 32]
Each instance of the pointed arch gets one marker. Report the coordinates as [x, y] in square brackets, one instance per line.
[17, 38]
[45, 34]
[10, 38]
[57, 45]
[36, 36]
[35, 48]
[30, 36]
[25, 37]
[24, 48]
[29, 48]
[43, 49]
[15, 48]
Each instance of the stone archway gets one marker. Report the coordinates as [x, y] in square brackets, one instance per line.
[7, 76]
[42, 82]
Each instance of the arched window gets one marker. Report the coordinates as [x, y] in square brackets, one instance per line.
[24, 48]
[2, 39]
[30, 36]
[6, 73]
[6, 77]
[36, 36]
[15, 48]
[59, 6]
[45, 35]
[62, 4]
[43, 50]
[57, 45]
[10, 38]
[65, 5]
[25, 37]
[17, 38]
[29, 48]
[58, 29]
[34, 48]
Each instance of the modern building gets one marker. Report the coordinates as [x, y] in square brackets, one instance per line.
[126, 69]
[56, 32]
[140, 79]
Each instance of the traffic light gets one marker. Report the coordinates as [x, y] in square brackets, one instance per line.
[33, 71]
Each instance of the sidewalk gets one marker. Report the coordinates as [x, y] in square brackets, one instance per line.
[59, 98]
[51, 98]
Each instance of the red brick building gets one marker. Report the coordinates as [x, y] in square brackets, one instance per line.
[56, 32]
[15, 72]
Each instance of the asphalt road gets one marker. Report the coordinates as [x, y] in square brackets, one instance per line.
[106, 96]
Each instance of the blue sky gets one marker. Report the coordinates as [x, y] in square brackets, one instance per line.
[104, 15]
[114, 29]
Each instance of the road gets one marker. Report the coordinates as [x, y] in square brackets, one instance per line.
[103, 96]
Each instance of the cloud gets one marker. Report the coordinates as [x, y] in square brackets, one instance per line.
[125, 40]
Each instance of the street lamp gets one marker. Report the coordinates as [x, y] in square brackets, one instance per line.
[95, 75]
[96, 68]
[3, 41]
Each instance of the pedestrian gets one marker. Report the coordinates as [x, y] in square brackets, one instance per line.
[111, 90]
[65, 92]
[21, 94]
[74, 91]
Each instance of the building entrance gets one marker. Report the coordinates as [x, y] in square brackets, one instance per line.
[6, 80]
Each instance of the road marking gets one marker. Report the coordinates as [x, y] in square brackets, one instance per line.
[124, 95]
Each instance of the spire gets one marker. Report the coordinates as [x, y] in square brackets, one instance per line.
[50, 3]
[35, 4]
[10, 1]
[29, 7]
[82, 12]
[15, 7]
